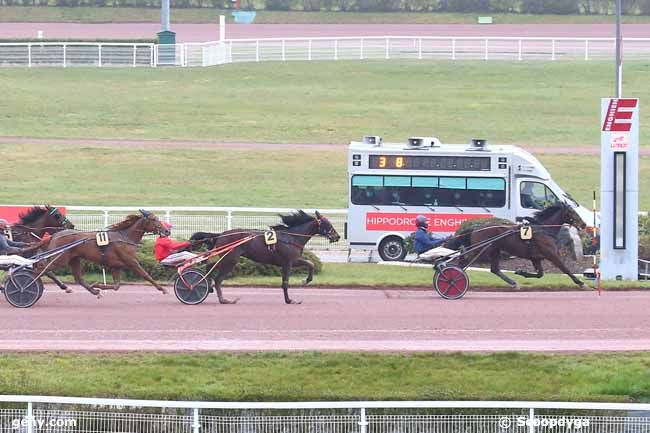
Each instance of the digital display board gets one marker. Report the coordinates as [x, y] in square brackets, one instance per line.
[425, 162]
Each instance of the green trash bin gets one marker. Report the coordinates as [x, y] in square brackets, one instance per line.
[166, 48]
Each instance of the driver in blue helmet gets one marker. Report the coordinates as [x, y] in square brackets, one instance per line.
[427, 245]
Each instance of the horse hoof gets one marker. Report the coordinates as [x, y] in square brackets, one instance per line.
[163, 291]
[292, 302]
[306, 282]
[99, 295]
[515, 286]
[68, 290]
[227, 301]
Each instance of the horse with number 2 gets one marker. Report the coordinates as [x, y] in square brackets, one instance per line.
[281, 245]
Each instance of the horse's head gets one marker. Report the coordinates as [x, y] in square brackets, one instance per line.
[152, 224]
[325, 228]
[57, 219]
[571, 217]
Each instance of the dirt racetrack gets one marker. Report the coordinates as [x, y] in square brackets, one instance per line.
[139, 319]
[210, 32]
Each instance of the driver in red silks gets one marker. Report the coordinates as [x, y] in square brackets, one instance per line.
[170, 253]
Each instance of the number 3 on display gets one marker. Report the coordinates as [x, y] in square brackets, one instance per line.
[382, 162]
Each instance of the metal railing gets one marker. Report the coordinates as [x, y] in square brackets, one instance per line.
[31, 414]
[67, 54]
[188, 220]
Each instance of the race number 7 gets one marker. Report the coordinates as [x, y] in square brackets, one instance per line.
[526, 232]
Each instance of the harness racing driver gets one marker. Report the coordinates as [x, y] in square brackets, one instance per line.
[427, 245]
[11, 252]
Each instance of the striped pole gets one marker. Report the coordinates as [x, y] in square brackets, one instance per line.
[594, 233]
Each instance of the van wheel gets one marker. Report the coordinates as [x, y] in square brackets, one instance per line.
[392, 249]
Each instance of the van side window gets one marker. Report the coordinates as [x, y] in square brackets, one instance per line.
[536, 195]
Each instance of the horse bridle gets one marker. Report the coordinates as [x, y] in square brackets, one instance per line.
[60, 217]
[323, 233]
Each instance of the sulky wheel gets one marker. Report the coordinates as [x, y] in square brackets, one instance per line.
[22, 290]
[191, 286]
[451, 282]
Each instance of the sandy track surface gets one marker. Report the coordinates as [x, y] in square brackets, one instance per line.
[195, 144]
[137, 318]
[210, 32]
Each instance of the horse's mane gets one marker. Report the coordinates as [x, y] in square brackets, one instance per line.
[32, 215]
[542, 214]
[294, 219]
[128, 222]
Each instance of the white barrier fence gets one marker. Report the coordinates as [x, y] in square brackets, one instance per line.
[321, 48]
[31, 414]
[188, 220]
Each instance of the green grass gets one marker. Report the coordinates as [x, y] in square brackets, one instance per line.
[210, 15]
[530, 103]
[330, 376]
[94, 175]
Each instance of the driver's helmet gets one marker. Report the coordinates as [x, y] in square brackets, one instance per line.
[421, 221]
[3, 224]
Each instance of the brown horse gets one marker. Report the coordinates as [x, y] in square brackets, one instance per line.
[120, 252]
[292, 236]
[37, 221]
[545, 225]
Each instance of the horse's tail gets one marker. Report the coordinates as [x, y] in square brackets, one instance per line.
[209, 239]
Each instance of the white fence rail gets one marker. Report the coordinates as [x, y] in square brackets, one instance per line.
[321, 48]
[67, 54]
[188, 220]
[31, 414]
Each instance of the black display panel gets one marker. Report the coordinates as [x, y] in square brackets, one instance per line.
[413, 162]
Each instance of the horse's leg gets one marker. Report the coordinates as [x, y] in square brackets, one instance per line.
[117, 278]
[496, 270]
[537, 263]
[133, 264]
[550, 253]
[75, 264]
[58, 282]
[225, 267]
[301, 261]
[286, 270]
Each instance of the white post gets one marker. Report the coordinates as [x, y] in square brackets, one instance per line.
[99, 55]
[154, 62]
[64, 54]
[586, 49]
[361, 50]
[283, 51]
[336, 49]
[229, 220]
[135, 54]
[531, 417]
[222, 28]
[486, 49]
[309, 51]
[519, 55]
[229, 51]
[553, 49]
[29, 55]
[420, 49]
[387, 56]
[196, 425]
[363, 421]
[453, 49]
[168, 216]
[257, 50]
[30, 417]
[105, 218]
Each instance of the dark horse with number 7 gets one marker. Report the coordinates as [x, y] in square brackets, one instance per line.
[544, 226]
[292, 235]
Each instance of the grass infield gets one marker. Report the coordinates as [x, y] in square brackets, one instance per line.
[331, 376]
[211, 15]
[300, 178]
[530, 103]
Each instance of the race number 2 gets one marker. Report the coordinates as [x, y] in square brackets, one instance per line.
[102, 239]
[270, 237]
[526, 232]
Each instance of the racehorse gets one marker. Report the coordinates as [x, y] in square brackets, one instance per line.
[119, 252]
[545, 226]
[297, 229]
[34, 223]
